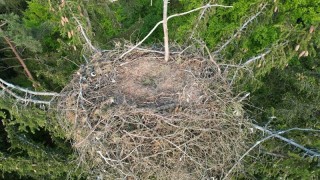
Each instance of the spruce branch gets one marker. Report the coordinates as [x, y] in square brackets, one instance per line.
[25, 68]
[172, 16]
[244, 26]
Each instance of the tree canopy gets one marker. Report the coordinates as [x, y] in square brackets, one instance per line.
[271, 47]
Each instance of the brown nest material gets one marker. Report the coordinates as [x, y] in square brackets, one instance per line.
[143, 118]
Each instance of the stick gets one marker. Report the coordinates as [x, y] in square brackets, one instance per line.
[172, 16]
[165, 30]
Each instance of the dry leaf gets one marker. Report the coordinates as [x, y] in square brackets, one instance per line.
[297, 47]
[72, 33]
[62, 22]
[69, 34]
[311, 30]
[306, 54]
[74, 47]
[66, 19]
[301, 54]
[275, 9]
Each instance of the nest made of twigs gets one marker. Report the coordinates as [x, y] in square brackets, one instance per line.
[142, 118]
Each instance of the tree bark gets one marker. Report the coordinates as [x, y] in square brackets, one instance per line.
[165, 30]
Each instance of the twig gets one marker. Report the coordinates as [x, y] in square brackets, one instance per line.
[198, 22]
[85, 36]
[277, 135]
[210, 56]
[172, 16]
[23, 99]
[262, 55]
[240, 29]
[165, 30]
[28, 91]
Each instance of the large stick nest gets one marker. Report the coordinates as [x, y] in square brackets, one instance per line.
[143, 118]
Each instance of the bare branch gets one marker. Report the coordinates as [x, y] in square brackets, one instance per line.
[277, 135]
[85, 36]
[240, 30]
[165, 30]
[172, 16]
[260, 56]
[28, 91]
[23, 99]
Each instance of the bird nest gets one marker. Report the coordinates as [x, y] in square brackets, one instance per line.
[140, 117]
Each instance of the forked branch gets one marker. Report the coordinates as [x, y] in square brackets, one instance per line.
[172, 16]
[277, 135]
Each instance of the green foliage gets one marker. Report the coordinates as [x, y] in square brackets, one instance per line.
[18, 33]
[282, 84]
[32, 145]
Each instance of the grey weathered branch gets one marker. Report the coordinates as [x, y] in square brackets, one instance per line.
[85, 36]
[23, 99]
[172, 16]
[28, 91]
[165, 30]
[277, 135]
[253, 59]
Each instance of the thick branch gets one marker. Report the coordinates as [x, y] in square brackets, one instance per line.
[165, 30]
[172, 16]
[25, 68]
[21, 98]
[28, 91]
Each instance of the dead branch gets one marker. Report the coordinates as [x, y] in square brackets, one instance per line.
[85, 36]
[28, 91]
[25, 68]
[240, 30]
[172, 16]
[25, 100]
[277, 135]
[165, 30]
[253, 59]
[198, 21]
